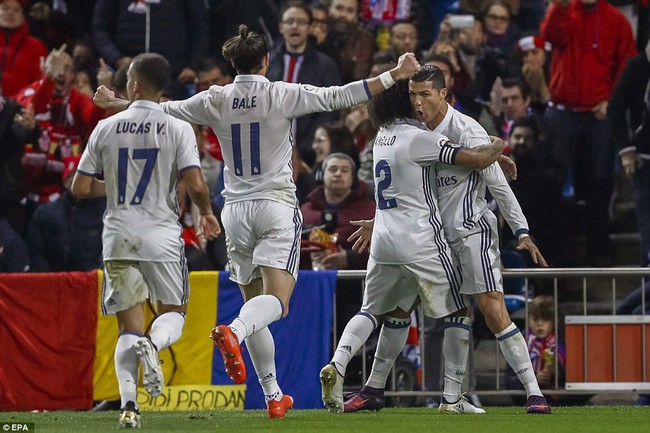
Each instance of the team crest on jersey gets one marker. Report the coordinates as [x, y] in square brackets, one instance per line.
[444, 141]
[309, 88]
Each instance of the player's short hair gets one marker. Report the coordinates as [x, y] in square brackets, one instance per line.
[430, 73]
[542, 307]
[152, 70]
[391, 104]
[245, 51]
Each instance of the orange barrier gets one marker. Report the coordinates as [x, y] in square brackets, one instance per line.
[606, 353]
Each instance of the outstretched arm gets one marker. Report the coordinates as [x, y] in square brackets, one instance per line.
[480, 157]
[407, 66]
[105, 98]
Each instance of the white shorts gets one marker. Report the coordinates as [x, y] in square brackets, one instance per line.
[391, 286]
[127, 283]
[479, 258]
[261, 233]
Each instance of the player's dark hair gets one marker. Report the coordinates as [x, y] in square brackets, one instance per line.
[152, 70]
[391, 104]
[245, 51]
[300, 4]
[542, 307]
[430, 73]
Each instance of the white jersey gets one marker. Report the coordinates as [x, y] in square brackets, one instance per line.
[252, 119]
[141, 152]
[461, 191]
[408, 226]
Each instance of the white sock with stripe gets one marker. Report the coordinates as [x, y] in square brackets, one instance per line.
[126, 368]
[455, 349]
[355, 334]
[167, 329]
[514, 349]
[392, 339]
[261, 348]
[256, 314]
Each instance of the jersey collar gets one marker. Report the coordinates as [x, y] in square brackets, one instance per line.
[146, 104]
[445, 122]
[252, 77]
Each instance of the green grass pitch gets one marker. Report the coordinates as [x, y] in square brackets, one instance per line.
[590, 419]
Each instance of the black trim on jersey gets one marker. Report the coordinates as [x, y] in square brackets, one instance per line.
[486, 266]
[440, 242]
[292, 262]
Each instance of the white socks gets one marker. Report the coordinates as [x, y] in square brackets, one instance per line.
[392, 339]
[514, 349]
[455, 349]
[166, 329]
[126, 368]
[356, 333]
[261, 349]
[256, 314]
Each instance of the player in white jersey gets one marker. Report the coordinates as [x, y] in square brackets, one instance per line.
[409, 257]
[252, 119]
[471, 229]
[141, 153]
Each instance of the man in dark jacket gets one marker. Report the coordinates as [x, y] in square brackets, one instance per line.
[13, 250]
[176, 29]
[294, 60]
[631, 97]
[17, 127]
[339, 200]
[66, 234]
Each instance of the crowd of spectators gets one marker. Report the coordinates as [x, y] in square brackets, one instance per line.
[538, 73]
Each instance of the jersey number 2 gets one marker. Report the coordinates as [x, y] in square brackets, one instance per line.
[149, 156]
[254, 138]
[382, 167]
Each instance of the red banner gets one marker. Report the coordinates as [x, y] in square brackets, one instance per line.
[48, 322]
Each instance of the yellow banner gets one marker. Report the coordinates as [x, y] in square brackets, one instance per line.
[191, 360]
[195, 397]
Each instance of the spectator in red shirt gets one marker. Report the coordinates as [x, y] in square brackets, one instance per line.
[66, 118]
[20, 53]
[591, 41]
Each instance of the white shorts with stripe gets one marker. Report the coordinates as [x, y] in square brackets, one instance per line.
[127, 283]
[261, 233]
[391, 286]
[479, 257]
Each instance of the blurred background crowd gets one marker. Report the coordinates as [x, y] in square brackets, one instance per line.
[545, 76]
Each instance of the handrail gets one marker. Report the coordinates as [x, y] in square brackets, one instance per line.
[534, 274]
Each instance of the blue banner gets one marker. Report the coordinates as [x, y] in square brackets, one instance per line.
[302, 339]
